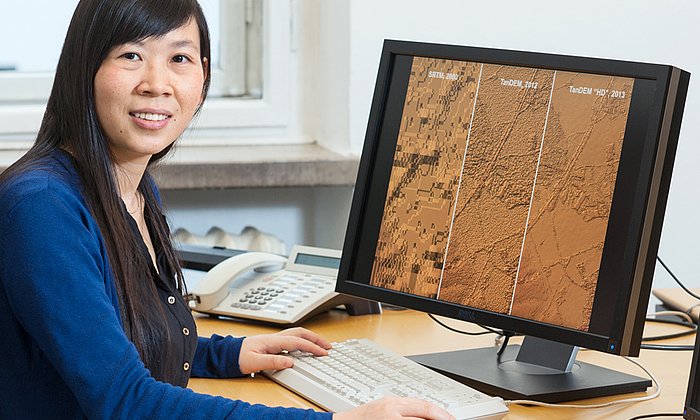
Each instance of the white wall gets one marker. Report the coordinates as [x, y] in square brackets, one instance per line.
[308, 216]
[637, 30]
[319, 109]
[338, 45]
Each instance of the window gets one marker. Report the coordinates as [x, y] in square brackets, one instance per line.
[250, 56]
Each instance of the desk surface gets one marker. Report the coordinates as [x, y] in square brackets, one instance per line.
[409, 332]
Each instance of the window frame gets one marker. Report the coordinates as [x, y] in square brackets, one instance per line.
[21, 111]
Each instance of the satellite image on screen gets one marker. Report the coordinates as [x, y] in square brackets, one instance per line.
[501, 188]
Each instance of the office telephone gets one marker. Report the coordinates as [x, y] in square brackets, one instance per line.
[271, 288]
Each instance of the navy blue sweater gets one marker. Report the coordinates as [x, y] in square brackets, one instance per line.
[64, 351]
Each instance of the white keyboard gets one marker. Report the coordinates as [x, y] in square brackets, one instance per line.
[359, 371]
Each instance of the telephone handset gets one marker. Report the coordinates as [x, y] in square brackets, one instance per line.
[212, 289]
[271, 288]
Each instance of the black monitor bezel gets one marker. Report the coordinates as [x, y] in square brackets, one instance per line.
[692, 399]
[636, 193]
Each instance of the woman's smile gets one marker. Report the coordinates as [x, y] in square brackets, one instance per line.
[150, 119]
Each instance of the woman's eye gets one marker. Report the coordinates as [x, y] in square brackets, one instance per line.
[131, 56]
[181, 58]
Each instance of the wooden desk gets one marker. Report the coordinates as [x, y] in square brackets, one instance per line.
[409, 332]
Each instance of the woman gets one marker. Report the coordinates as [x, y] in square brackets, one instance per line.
[91, 308]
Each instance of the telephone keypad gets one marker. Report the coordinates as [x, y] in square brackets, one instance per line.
[284, 292]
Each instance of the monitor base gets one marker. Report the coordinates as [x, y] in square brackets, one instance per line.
[509, 379]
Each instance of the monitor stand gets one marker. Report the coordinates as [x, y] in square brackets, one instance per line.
[539, 370]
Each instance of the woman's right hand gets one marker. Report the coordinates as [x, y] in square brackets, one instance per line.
[396, 408]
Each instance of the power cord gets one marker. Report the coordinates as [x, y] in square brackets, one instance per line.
[506, 336]
[488, 330]
[651, 416]
[668, 270]
[654, 381]
[688, 323]
[501, 335]
[685, 315]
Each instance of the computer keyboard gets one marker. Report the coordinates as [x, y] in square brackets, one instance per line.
[358, 371]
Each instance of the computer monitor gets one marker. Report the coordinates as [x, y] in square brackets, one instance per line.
[692, 399]
[519, 190]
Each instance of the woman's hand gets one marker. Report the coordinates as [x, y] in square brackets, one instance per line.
[395, 408]
[261, 352]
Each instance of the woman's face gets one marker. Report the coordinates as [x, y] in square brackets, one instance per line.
[147, 92]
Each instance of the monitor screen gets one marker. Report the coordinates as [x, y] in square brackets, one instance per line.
[519, 190]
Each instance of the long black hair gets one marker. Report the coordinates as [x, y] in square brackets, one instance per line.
[70, 123]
